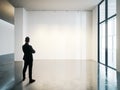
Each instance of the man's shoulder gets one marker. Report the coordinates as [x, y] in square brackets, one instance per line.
[23, 45]
[26, 45]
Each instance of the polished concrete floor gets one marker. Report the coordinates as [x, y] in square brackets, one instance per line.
[68, 75]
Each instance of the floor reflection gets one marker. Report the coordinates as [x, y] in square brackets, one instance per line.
[7, 77]
[107, 78]
[68, 75]
[59, 75]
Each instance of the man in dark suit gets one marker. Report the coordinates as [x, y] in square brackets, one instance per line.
[28, 59]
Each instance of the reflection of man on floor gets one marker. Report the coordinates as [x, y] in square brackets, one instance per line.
[28, 59]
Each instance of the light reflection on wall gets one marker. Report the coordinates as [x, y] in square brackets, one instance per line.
[60, 34]
[6, 37]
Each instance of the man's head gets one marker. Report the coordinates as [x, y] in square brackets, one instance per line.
[27, 39]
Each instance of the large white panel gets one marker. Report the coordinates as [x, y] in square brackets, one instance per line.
[20, 31]
[60, 34]
[6, 38]
[94, 34]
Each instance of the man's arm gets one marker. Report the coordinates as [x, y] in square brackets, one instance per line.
[32, 50]
[23, 49]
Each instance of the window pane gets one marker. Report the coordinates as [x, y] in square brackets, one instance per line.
[102, 11]
[102, 43]
[111, 7]
[112, 42]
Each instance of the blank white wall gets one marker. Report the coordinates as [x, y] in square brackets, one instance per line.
[60, 34]
[6, 38]
[20, 32]
[94, 34]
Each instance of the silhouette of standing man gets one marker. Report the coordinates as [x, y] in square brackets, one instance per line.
[28, 59]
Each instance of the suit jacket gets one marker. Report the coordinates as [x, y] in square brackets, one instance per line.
[28, 50]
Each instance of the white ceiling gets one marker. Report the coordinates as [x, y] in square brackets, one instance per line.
[55, 4]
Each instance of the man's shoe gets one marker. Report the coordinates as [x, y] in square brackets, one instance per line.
[31, 81]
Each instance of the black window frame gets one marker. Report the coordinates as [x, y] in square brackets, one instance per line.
[106, 32]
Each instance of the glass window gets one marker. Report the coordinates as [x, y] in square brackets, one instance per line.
[102, 11]
[112, 42]
[111, 7]
[107, 32]
[102, 43]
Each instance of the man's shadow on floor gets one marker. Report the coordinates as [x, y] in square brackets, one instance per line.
[19, 83]
[29, 84]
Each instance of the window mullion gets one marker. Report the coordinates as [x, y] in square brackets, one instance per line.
[106, 31]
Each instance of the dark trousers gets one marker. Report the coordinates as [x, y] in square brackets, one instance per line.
[28, 64]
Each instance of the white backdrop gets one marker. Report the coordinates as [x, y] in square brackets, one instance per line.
[60, 34]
